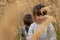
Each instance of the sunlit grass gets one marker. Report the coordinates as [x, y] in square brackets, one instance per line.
[25, 6]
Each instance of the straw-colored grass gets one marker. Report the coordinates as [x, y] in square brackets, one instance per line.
[14, 11]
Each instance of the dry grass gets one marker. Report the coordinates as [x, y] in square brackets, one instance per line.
[16, 9]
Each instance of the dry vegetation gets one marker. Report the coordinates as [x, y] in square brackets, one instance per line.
[13, 11]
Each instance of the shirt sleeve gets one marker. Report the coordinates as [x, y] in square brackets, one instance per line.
[52, 33]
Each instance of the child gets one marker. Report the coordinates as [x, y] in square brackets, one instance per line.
[41, 29]
[27, 22]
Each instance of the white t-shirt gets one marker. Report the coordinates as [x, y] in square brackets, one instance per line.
[49, 32]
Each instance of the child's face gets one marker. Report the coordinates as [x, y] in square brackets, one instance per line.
[40, 18]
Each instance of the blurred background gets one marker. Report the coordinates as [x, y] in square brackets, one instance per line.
[25, 6]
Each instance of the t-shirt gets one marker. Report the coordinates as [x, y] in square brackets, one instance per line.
[49, 33]
[24, 32]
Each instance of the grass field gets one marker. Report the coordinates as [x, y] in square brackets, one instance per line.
[13, 11]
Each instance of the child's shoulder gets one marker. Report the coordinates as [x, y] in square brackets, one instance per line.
[23, 28]
[33, 25]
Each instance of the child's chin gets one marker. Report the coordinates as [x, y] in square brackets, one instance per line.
[40, 21]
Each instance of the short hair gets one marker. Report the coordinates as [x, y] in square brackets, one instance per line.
[37, 8]
[28, 19]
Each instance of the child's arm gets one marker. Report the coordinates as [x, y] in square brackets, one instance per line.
[21, 34]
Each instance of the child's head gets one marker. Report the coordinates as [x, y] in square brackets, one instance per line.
[39, 17]
[27, 19]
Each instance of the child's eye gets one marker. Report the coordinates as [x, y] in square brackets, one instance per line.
[38, 14]
[41, 14]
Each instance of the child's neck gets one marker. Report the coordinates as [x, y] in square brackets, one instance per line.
[38, 22]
